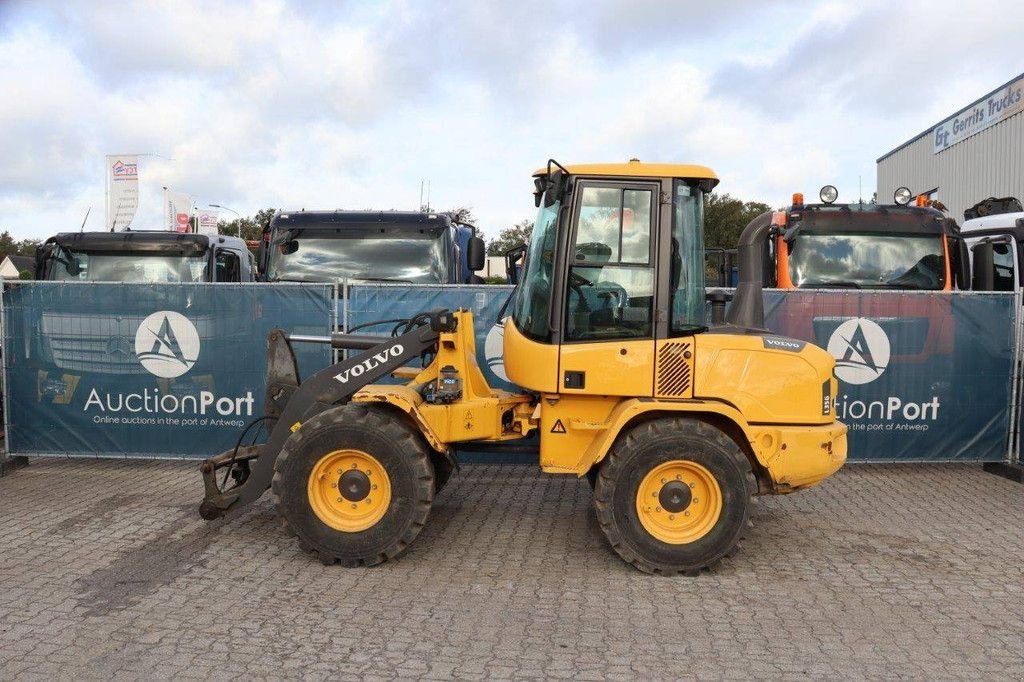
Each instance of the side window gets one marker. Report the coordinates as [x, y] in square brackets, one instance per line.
[1002, 261]
[610, 292]
[686, 278]
[228, 266]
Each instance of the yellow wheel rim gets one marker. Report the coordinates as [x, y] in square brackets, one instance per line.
[679, 502]
[349, 490]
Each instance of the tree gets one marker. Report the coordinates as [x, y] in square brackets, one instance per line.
[725, 218]
[463, 214]
[251, 228]
[11, 247]
[510, 237]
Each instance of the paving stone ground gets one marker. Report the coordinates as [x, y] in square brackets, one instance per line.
[106, 571]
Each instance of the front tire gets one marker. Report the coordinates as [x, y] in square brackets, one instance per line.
[673, 496]
[355, 484]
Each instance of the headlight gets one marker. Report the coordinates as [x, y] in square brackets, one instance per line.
[903, 195]
[828, 194]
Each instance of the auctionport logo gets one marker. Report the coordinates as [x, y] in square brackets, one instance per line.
[861, 349]
[167, 344]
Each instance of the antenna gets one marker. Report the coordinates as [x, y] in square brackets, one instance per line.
[421, 194]
[860, 189]
[82, 228]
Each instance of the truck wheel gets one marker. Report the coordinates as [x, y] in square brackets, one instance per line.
[354, 484]
[673, 496]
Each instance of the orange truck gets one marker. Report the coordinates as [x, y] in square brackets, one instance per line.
[908, 245]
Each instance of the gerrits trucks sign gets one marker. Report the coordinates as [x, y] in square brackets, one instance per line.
[1000, 105]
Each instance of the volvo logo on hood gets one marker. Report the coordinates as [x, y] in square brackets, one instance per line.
[861, 349]
[167, 344]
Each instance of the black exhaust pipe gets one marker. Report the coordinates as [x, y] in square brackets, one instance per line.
[747, 309]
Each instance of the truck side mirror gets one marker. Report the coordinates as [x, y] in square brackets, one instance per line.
[43, 253]
[476, 254]
[961, 263]
[983, 268]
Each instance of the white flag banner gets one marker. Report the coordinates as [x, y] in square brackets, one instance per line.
[179, 211]
[122, 191]
[207, 220]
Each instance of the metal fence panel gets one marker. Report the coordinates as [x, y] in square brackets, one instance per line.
[113, 370]
[144, 370]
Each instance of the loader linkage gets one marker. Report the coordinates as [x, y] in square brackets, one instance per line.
[252, 468]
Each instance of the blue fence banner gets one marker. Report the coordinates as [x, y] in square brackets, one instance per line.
[143, 370]
[922, 376]
[139, 370]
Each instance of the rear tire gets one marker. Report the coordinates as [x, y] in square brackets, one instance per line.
[673, 496]
[355, 484]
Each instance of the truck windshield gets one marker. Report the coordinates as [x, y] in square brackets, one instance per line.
[127, 266]
[418, 257]
[886, 261]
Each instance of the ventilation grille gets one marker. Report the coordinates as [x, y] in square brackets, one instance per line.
[673, 370]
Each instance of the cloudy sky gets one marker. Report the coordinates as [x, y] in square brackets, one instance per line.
[327, 104]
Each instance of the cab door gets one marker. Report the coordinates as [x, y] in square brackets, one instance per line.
[608, 304]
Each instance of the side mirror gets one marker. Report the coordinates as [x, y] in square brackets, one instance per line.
[983, 268]
[261, 257]
[290, 247]
[43, 254]
[557, 183]
[960, 262]
[476, 254]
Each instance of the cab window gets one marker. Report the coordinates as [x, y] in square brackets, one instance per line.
[1002, 262]
[228, 266]
[610, 288]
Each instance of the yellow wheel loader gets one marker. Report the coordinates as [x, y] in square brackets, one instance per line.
[676, 422]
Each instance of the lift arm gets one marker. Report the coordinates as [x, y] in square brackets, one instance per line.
[292, 403]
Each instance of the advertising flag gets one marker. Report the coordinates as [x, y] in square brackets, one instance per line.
[179, 211]
[207, 220]
[122, 191]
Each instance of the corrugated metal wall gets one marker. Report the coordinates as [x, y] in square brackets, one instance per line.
[987, 164]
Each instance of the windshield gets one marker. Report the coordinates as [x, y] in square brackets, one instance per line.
[533, 295]
[891, 261]
[126, 266]
[310, 256]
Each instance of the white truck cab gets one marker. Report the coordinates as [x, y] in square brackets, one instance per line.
[994, 235]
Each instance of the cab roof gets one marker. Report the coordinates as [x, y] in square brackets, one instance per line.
[637, 169]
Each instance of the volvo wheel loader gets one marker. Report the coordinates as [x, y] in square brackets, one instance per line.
[675, 422]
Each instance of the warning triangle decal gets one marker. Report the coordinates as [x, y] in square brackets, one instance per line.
[559, 427]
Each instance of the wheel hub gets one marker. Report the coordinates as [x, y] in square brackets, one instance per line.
[675, 496]
[349, 490]
[679, 501]
[354, 485]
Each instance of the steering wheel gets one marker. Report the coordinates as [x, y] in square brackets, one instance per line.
[606, 290]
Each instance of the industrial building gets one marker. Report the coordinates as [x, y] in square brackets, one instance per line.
[974, 154]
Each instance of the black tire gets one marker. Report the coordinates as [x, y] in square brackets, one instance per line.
[649, 445]
[394, 444]
[442, 470]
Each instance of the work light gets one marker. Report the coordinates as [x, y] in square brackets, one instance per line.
[828, 194]
[902, 196]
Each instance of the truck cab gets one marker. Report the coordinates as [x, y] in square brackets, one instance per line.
[877, 247]
[376, 246]
[149, 257]
[993, 232]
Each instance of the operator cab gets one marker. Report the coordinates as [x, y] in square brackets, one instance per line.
[865, 246]
[615, 261]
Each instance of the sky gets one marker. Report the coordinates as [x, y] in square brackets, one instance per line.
[357, 105]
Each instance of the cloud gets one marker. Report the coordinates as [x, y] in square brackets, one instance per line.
[327, 105]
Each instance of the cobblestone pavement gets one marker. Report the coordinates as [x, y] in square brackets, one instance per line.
[106, 571]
